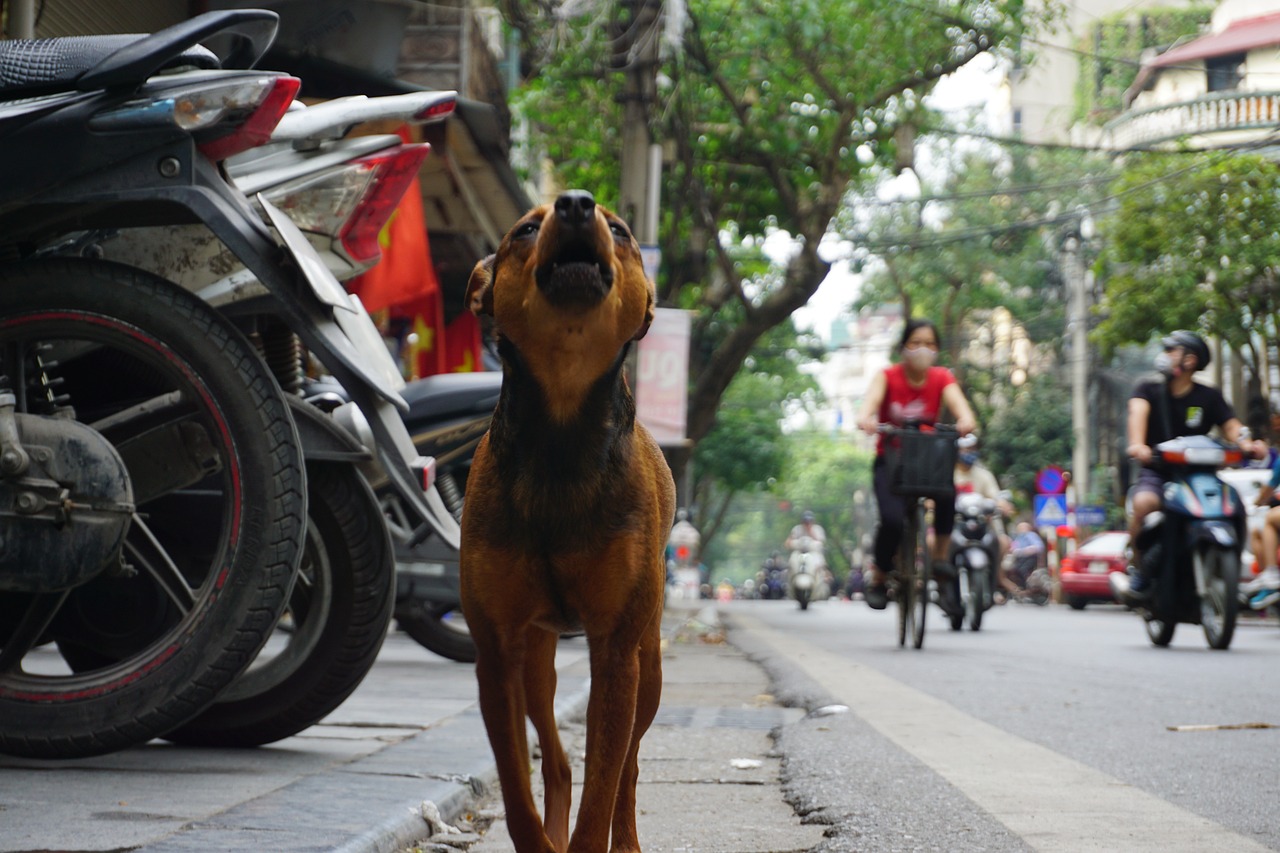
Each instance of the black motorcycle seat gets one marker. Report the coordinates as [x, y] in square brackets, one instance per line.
[450, 395]
[34, 67]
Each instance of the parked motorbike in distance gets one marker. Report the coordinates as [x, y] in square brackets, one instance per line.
[772, 580]
[1035, 583]
[1190, 548]
[975, 548]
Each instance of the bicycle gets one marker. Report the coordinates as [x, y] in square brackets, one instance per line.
[922, 468]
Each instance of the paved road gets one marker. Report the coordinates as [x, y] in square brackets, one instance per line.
[1048, 730]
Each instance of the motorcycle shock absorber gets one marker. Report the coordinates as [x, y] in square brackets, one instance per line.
[282, 351]
[450, 493]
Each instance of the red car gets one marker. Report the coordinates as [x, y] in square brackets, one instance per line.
[1086, 572]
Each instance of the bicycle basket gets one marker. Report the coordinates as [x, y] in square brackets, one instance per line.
[923, 464]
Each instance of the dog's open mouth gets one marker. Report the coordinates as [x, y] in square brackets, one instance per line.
[575, 276]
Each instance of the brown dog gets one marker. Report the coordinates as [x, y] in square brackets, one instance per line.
[569, 503]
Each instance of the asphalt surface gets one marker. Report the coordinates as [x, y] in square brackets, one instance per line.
[404, 764]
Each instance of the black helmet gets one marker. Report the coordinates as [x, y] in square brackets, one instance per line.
[807, 515]
[1191, 342]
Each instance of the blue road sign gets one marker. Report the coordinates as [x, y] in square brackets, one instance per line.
[1091, 516]
[1051, 510]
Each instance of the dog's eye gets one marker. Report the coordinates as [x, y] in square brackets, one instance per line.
[619, 230]
[528, 229]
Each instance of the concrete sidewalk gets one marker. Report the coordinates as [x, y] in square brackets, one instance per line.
[709, 775]
[410, 744]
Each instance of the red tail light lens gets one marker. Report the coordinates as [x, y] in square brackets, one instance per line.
[392, 175]
[256, 128]
[352, 203]
[436, 110]
[1068, 564]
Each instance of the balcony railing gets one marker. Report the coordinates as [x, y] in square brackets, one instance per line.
[1218, 113]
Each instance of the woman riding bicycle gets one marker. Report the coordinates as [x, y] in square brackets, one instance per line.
[912, 390]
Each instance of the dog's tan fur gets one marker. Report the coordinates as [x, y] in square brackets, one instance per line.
[569, 504]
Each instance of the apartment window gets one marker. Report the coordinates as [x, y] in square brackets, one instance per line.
[1223, 72]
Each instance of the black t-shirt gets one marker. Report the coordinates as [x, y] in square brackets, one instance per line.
[1195, 413]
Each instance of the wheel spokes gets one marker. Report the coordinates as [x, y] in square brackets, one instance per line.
[148, 554]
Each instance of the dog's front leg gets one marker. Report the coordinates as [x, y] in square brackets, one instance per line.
[611, 714]
[500, 661]
[540, 694]
[625, 838]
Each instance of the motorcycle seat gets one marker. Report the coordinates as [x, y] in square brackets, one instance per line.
[448, 395]
[34, 67]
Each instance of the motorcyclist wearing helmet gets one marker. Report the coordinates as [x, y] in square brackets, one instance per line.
[1170, 407]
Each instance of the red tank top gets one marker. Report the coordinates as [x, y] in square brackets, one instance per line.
[903, 401]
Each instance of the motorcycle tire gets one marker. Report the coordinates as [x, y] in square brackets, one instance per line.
[1160, 631]
[337, 618]
[975, 604]
[962, 594]
[140, 649]
[439, 628]
[1220, 604]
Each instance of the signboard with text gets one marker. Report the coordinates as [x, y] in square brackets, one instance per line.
[662, 376]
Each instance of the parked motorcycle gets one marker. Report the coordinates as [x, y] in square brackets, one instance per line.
[1190, 548]
[974, 551]
[340, 191]
[175, 453]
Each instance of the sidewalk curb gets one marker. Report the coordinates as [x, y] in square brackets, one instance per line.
[452, 797]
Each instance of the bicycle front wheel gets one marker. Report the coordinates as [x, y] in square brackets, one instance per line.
[906, 591]
[920, 596]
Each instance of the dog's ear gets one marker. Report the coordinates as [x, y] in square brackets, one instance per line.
[648, 315]
[480, 287]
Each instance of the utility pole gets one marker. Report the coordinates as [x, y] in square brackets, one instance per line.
[1080, 230]
[638, 36]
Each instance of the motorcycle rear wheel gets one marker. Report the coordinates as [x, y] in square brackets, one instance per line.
[338, 616]
[138, 650]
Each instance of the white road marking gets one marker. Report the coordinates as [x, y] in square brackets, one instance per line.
[1052, 802]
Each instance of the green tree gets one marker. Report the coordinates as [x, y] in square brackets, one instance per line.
[1196, 246]
[825, 472]
[769, 113]
[985, 236]
[1030, 433]
[745, 451]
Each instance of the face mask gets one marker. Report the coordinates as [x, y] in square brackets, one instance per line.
[920, 357]
[1164, 364]
[968, 458]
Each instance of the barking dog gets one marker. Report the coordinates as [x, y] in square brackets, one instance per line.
[569, 503]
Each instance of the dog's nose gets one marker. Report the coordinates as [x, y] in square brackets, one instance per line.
[575, 207]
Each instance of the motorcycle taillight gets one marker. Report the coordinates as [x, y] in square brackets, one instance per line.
[393, 173]
[227, 139]
[352, 203]
[225, 115]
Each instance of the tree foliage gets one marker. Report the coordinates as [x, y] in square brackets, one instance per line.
[986, 236]
[768, 112]
[1030, 433]
[1194, 246]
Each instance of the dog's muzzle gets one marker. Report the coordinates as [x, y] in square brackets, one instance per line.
[575, 273]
